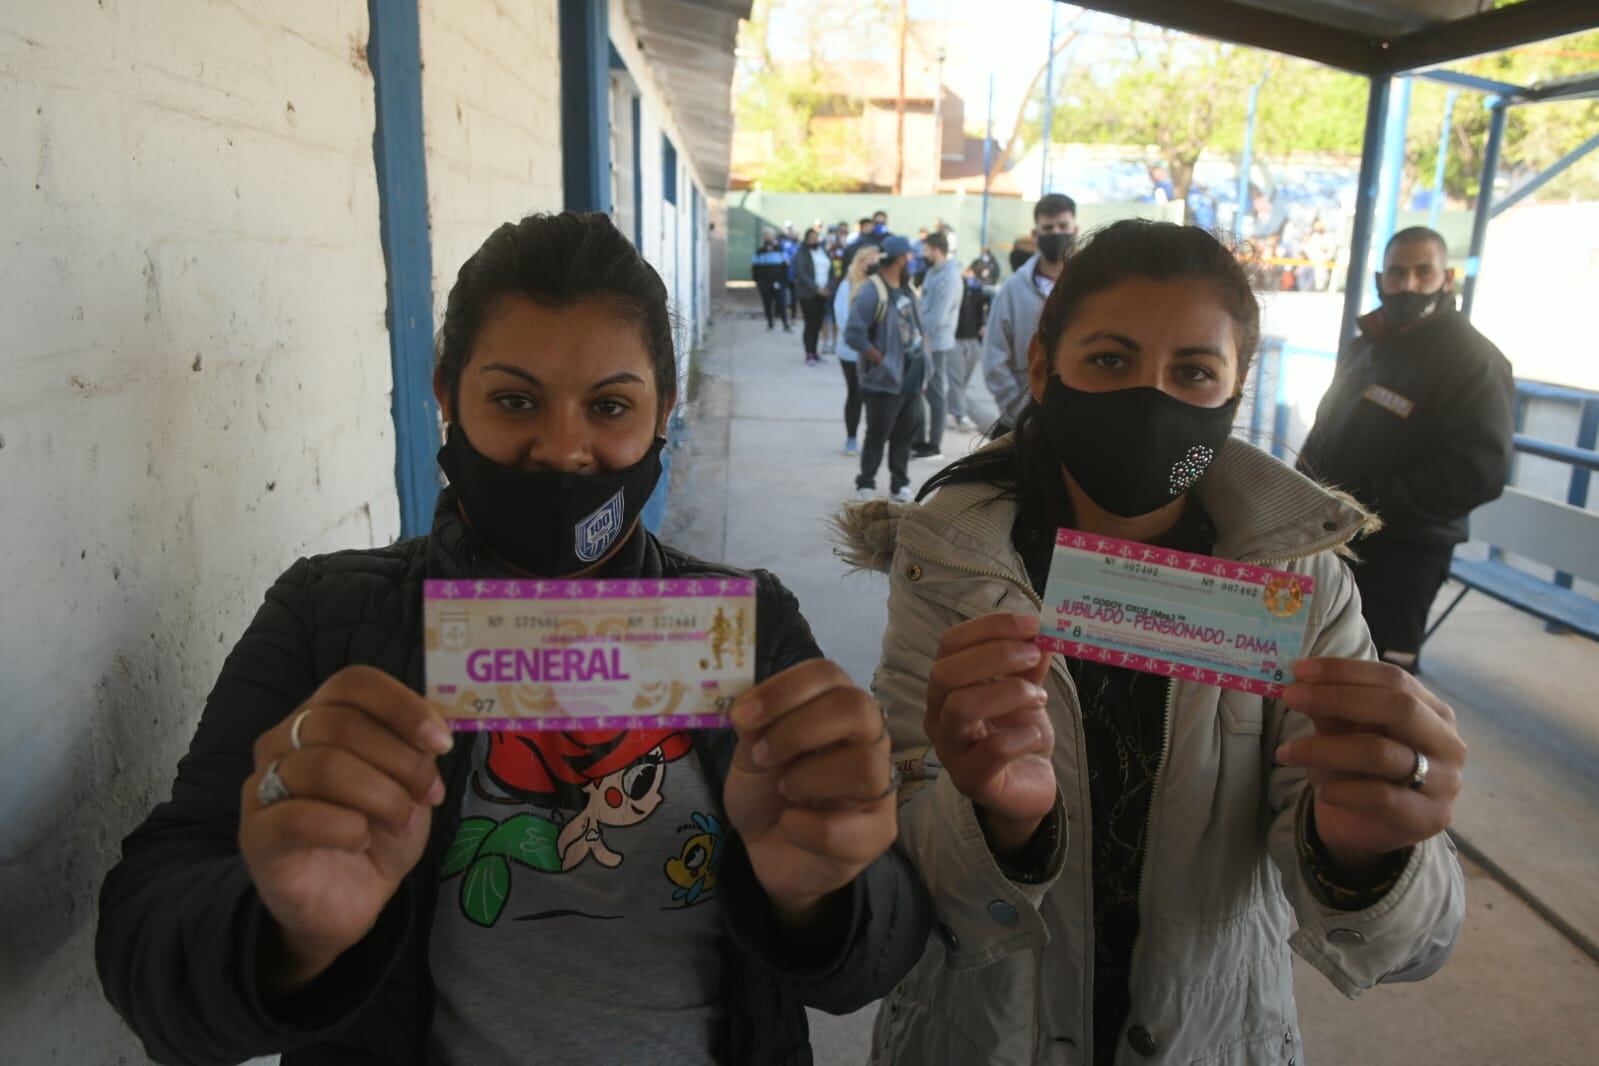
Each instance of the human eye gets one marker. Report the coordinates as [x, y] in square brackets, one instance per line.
[610, 407]
[1196, 375]
[1108, 360]
[514, 402]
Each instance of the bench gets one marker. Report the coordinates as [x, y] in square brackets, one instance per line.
[1546, 531]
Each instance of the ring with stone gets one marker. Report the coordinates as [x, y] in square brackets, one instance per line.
[1418, 774]
[294, 730]
[272, 789]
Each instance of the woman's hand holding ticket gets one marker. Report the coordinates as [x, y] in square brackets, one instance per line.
[1371, 720]
[329, 856]
[988, 721]
[811, 786]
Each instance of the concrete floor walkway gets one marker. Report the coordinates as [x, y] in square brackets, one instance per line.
[759, 472]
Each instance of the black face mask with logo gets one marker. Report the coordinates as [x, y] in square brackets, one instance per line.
[1132, 451]
[549, 523]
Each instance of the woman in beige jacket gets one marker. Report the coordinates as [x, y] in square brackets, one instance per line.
[1121, 862]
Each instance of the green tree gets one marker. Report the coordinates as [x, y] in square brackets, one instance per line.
[1187, 97]
[1536, 135]
[782, 99]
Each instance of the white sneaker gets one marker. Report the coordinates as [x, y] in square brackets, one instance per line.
[965, 424]
[866, 494]
[903, 495]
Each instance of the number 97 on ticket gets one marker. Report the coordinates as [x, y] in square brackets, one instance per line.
[1159, 611]
[629, 654]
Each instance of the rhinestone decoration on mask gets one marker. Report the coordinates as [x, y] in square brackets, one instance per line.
[1188, 469]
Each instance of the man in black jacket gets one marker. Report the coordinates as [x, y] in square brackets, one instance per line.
[1417, 426]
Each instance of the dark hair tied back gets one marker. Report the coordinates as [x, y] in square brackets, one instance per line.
[1131, 248]
[557, 261]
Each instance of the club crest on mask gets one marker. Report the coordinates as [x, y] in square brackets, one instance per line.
[596, 533]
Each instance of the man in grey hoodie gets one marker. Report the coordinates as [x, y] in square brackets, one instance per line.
[885, 326]
[941, 308]
[1014, 317]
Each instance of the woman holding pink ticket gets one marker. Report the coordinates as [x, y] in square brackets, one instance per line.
[338, 879]
[1122, 860]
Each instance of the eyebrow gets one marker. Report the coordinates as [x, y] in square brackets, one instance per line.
[623, 378]
[1131, 345]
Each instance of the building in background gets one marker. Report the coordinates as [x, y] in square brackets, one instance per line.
[230, 230]
[851, 119]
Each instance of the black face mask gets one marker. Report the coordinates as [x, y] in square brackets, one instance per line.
[1054, 246]
[547, 522]
[1133, 451]
[1407, 308]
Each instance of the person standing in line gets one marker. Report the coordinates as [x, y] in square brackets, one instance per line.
[885, 326]
[770, 271]
[849, 358]
[1123, 864]
[968, 351]
[789, 242]
[873, 232]
[1418, 425]
[985, 268]
[330, 877]
[813, 281]
[1014, 317]
[834, 243]
[919, 263]
[941, 305]
[1023, 249]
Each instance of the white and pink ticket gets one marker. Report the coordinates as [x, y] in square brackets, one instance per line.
[1160, 611]
[540, 655]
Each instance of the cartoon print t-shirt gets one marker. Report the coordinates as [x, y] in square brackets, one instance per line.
[575, 921]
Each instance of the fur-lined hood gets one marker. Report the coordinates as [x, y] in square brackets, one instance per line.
[1263, 511]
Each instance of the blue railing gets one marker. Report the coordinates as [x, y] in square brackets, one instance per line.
[1270, 405]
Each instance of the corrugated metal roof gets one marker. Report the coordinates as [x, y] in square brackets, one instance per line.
[689, 45]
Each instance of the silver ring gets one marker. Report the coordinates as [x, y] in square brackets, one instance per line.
[1418, 775]
[294, 730]
[272, 789]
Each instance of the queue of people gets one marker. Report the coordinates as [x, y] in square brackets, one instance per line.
[1031, 858]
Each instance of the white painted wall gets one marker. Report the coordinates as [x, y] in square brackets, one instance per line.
[196, 391]
[491, 120]
[197, 382]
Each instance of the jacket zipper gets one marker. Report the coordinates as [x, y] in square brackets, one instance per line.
[1149, 820]
[993, 572]
[1165, 740]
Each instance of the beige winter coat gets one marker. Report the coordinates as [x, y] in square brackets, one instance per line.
[1008, 977]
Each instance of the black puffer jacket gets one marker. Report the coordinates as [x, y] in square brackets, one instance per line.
[1417, 425]
[180, 921]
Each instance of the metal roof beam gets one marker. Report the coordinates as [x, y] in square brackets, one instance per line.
[1257, 27]
[1573, 88]
[1482, 85]
[1491, 31]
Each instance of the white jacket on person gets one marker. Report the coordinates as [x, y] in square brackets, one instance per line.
[1008, 978]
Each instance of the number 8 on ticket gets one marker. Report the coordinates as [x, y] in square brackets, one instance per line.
[542, 655]
[1160, 611]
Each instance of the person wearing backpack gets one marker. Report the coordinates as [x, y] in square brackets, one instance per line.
[885, 326]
